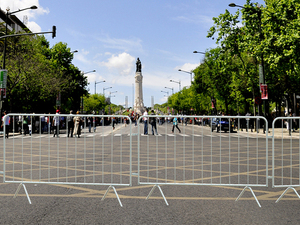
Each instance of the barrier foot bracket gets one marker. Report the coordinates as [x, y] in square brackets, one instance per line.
[286, 192]
[24, 190]
[157, 186]
[108, 189]
[252, 194]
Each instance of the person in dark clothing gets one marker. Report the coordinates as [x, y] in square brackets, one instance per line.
[70, 124]
[153, 122]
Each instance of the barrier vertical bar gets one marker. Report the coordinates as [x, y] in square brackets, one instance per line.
[130, 154]
[220, 162]
[4, 149]
[238, 150]
[166, 152]
[202, 149]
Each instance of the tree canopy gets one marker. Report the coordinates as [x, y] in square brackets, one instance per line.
[38, 74]
[258, 44]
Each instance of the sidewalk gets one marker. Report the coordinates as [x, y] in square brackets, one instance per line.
[278, 132]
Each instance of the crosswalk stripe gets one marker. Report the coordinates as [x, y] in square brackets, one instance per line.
[41, 136]
[135, 134]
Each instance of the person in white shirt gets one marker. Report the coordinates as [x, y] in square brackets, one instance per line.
[70, 124]
[6, 124]
[145, 122]
[56, 124]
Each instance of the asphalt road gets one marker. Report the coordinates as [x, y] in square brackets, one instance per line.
[214, 158]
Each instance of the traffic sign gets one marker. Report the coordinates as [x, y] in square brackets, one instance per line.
[257, 100]
[3, 78]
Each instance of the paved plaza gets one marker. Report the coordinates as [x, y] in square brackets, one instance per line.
[188, 204]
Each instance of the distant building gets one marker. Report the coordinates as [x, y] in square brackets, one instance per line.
[13, 23]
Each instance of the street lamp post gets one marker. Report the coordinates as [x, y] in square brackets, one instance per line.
[171, 89]
[105, 89]
[4, 47]
[191, 73]
[98, 83]
[199, 53]
[112, 93]
[178, 82]
[8, 14]
[82, 89]
[200, 63]
[58, 99]
[261, 65]
[166, 93]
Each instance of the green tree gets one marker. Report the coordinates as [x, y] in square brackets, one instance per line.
[281, 47]
[37, 74]
[95, 102]
[73, 82]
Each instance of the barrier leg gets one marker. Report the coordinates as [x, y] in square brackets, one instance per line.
[112, 187]
[286, 192]
[252, 194]
[24, 190]
[157, 186]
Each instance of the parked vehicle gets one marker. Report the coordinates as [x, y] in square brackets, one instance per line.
[221, 124]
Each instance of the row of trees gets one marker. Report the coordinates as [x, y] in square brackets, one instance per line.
[262, 38]
[42, 78]
[267, 40]
[38, 74]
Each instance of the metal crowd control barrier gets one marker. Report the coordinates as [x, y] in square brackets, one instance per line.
[98, 156]
[286, 154]
[197, 155]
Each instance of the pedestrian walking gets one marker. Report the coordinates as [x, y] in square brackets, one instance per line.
[70, 124]
[56, 124]
[77, 124]
[89, 123]
[248, 120]
[153, 123]
[135, 118]
[113, 122]
[25, 124]
[145, 122]
[42, 118]
[175, 124]
[29, 128]
[6, 124]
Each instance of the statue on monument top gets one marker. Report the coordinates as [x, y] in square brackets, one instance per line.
[138, 65]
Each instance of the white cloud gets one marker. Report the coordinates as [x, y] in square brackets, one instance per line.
[30, 13]
[34, 27]
[123, 63]
[22, 4]
[133, 44]
[84, 52]
[92, 77]
[187, 67]
[196, 19]
[81, 56]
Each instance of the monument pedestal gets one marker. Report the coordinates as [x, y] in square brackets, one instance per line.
[138, 100]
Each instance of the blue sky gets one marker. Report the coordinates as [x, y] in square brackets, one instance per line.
[110, 34]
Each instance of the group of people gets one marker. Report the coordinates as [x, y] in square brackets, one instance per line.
[52, 123]
[74, 124]
[152, 122]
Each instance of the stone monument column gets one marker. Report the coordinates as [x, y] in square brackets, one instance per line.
[138, 98]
